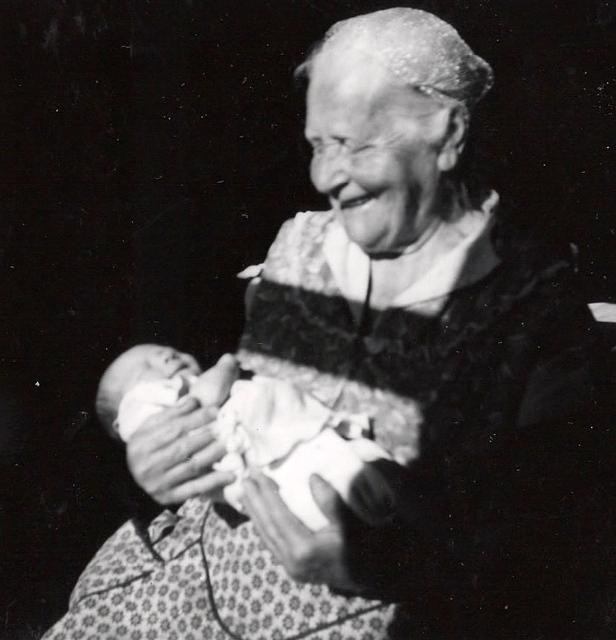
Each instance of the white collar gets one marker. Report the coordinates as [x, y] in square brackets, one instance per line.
[470, 260]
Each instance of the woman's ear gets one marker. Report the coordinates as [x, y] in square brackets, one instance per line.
[454, 138]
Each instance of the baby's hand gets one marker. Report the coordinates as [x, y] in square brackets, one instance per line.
[212, 387]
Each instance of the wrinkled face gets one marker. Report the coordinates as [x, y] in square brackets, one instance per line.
[149, 362]
[375, 148]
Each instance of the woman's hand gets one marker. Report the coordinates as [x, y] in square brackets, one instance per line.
[171, 455]
[308, 556]
[328, 556]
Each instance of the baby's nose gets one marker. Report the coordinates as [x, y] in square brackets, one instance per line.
[167, 356]
[171, 355]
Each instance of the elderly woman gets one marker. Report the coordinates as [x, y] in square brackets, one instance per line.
[405, 301]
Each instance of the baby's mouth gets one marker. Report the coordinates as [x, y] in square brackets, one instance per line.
[182, 368]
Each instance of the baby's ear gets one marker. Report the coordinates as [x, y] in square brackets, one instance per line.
[114, 430]
[106, 411]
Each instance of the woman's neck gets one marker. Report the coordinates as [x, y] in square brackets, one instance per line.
[391, 274]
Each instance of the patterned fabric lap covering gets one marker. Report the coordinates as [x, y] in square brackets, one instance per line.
[194, 576]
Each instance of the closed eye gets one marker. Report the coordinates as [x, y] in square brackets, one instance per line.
[363, 148]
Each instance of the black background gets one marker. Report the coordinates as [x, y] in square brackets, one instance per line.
[151, 150]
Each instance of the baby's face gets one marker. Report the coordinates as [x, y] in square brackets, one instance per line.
[147, 362]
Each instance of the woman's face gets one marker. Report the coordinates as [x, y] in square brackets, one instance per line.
[375, 149]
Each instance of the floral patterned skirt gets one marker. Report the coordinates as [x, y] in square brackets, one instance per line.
[193, 575]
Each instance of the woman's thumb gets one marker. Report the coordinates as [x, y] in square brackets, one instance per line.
[327, 499]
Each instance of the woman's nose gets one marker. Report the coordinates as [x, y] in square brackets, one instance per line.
[330, 173]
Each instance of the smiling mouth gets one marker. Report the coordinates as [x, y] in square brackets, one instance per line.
[353, 203]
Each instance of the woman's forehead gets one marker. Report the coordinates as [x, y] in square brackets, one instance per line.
[348, 77]
[357, 92]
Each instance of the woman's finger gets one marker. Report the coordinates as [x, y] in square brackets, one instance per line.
[154, 422]
[183, 426]
[158, 462]
[256, 510]
[285, 532]
[172, 427]
[183, 448]
[328, 500]
[205, 485]
[196, 464]
[251, 504]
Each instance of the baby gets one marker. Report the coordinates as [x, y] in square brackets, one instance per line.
[265, 424]
[149, 378]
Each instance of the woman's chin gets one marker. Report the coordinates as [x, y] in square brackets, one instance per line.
[358, 232]
[369, 240]
[370, 228]
[364, 242]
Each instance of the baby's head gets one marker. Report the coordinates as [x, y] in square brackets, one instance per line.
[143, 363]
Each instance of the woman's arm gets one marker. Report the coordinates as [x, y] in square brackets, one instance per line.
[349, 555]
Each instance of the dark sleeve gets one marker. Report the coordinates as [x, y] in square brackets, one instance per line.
[514, 539]
[529, 516]
[562, 381]
[510, 544]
